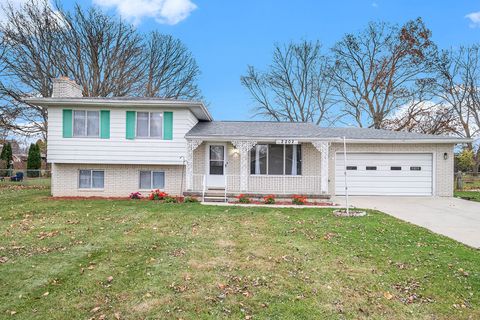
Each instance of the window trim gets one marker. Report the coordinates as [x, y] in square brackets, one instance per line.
[91, 180]
[267, 162]
[151, 180]
[149, 127]
[86, 124]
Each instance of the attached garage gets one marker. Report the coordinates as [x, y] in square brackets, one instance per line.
[402, 174]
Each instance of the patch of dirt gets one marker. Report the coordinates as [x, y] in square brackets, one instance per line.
[224, 243]
[210, 264]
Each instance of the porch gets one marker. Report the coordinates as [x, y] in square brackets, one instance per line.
[224, 169]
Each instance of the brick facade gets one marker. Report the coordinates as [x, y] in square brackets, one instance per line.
[119, 180]
[442, 169]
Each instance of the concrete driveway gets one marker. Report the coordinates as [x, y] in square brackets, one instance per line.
[455, 218]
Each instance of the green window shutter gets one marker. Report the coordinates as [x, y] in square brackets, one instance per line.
[67, 123]
[168, 125]
[130, 129]
[105, 124]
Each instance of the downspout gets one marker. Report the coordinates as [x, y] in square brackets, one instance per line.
[183, 170]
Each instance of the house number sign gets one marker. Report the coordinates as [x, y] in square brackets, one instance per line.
[286, 141]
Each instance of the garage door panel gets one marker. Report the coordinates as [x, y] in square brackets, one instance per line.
[386, 175]
[383, 180]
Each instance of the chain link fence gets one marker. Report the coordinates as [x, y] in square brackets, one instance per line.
[467, 181]
[23, 174]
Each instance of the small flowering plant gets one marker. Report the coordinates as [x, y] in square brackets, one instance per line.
[299, 200]
[269, 199]
[242, 198]
[158, 195]
[189, 199]
[135, 195]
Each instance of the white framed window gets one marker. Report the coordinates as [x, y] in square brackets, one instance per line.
[276, 159]
[152, 180]
[150, 125]
[86, 123]
[91, 179]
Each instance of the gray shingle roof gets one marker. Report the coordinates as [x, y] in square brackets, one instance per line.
[269, 129]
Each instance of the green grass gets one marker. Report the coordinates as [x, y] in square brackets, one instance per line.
[468, 195]
[27, 182]
[172, 261]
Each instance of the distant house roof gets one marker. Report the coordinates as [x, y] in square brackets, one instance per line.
[197, 107]
[269, 130]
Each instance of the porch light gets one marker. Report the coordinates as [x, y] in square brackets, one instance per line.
[445, 156]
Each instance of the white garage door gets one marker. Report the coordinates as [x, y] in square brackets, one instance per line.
[385, 174]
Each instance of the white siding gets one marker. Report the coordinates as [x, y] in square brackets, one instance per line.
[118, 149]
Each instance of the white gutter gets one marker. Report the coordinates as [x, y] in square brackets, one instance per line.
[334, 139]
[192, 105]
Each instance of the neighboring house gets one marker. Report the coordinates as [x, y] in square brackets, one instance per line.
[115, 146]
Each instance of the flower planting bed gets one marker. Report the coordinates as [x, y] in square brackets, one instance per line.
[270, 200]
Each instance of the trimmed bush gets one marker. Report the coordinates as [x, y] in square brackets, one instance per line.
[269, 199]
[243, 198]
[299, 200]
[34, 161]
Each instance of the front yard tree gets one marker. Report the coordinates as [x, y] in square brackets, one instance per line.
[34, 161]
[104, 54]
[296, 86]
[6, 156]
[170, 69]
[458, 87]
[382, 69]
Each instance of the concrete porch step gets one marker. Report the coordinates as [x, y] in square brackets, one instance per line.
[214, 199]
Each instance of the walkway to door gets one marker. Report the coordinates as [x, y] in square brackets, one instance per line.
[455, 218]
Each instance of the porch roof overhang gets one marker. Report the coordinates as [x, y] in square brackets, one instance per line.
[268, 131]
[332, 140]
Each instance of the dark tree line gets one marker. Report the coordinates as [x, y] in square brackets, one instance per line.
[105, 55]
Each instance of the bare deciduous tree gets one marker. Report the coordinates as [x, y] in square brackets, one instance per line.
[296, 87]
[170, 69]
[458, 81]
[102, 54]
[379, 70]
[106, 56]
[424, 117]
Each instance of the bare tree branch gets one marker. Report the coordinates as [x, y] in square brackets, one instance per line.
[296, 87]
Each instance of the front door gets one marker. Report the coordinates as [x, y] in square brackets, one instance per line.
[216, 163]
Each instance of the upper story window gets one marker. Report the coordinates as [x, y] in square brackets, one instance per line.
[86, 123]
[150, 125]
[275, 159]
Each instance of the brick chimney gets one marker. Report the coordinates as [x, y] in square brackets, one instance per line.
[63, 87]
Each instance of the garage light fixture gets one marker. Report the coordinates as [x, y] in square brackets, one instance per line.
[445, 156]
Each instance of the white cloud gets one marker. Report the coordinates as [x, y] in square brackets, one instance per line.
[374, 4]
[163, 11]
[474, 18]
[4, 3]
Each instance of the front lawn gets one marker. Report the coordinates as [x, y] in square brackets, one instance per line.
[82, 259]
[468, 195]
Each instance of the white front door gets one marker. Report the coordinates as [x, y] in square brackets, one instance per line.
[216, 164]
[402, 174]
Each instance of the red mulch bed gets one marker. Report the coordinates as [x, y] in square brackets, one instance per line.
[307, 204]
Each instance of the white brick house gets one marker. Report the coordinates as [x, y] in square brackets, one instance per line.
[115, 146]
